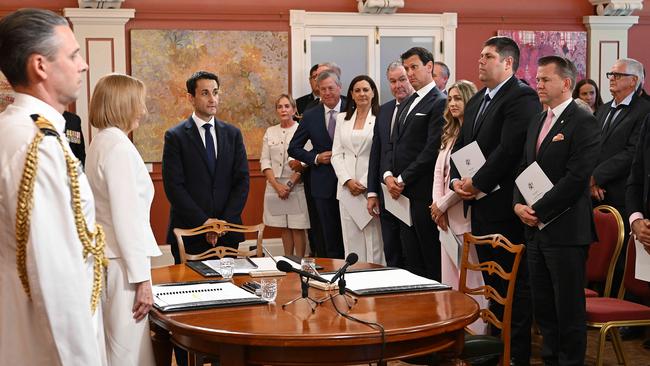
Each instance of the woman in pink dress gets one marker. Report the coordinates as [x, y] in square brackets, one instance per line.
[447, 206]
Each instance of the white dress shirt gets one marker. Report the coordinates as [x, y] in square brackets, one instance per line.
[199, 124]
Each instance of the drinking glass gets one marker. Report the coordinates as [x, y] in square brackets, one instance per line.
[269, 289]
[227, 268]
[308, 265]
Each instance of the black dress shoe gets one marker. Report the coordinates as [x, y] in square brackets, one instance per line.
[628, 333]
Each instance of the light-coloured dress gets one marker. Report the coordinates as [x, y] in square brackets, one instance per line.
[274, 156]
[57, 326]
[350, 159]
[123, 194]
[448, 201]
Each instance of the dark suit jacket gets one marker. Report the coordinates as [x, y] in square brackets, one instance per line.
[412, 152]
[74, 136]
[638, 183]
[617, 148]
[568, 164]
[195, 193]
[313, 127]
[303, 102]
[380, 144]
[500, 133]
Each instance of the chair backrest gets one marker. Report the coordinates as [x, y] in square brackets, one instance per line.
[497, 242]
[604, 252]
[220, 228]
[630, 283]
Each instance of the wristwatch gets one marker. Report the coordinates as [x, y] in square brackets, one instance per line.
[290, 184]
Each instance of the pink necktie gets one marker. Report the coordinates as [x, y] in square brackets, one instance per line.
[545, 128]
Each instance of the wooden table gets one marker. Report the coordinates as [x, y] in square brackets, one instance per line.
[415, 323]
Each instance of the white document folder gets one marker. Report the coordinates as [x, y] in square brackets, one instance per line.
[400, 208]
[278, 206]
[468, 161]
[533, 185]
[357, 207]
[452, 246]
[642, 265]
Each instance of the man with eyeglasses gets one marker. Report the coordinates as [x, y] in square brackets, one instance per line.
[620, 122]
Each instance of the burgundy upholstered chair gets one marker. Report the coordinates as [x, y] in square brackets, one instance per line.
[604, 252]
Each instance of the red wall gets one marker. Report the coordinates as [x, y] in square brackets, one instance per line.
[477, 20]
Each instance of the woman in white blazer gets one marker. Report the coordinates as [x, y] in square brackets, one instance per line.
[281, 181]
[123, 193]
[350, 158]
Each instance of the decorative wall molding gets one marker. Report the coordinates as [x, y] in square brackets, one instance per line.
[608, 41]
[102, 39]
[616, 7]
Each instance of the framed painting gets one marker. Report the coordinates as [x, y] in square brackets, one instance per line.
[536, 44]
[252, 68]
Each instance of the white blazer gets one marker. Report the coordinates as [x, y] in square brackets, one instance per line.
[123, 193]
[348, 162]
[274, 154]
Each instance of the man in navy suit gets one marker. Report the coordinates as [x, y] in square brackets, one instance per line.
[411, 157]
[497, 118]
[564, 142]
[401, 89]
[205, 169]
[318, 126]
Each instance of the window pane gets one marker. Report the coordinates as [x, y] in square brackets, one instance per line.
[391, 49]
[349, 52]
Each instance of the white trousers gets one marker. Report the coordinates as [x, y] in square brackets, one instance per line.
[128, 343]
[367, 243]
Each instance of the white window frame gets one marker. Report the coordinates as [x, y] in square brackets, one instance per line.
[305, 24]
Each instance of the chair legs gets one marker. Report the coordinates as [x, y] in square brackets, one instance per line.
[617, 342]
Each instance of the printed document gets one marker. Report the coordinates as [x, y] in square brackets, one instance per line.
[642, 265]
[400, 208]
[468, 161]
[357, 207]
[452, 246]
[533, 185]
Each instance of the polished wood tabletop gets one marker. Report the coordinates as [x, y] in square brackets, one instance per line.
[415, 323]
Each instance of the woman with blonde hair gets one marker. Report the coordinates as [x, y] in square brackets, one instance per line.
[447, 207]
[281, 181]
[123, 193]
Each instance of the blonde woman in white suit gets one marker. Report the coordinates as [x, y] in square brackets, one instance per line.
[123, 193]
[283, 178]
[350, 158]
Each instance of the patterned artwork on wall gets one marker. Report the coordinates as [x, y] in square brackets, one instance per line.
[252, 69]
[536, 44]
[6, 93]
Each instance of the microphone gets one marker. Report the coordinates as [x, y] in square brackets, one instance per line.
[351, 259]
[284, 266]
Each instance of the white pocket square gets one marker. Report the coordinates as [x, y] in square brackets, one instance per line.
[420, 114]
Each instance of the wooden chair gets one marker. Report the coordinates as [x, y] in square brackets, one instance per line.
[609, 314]
[485, 348]
[219, 227]
[604, 253]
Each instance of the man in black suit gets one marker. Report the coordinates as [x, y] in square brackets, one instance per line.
[401, 90]
[205, 170]
[620, 123]
[441, 75]
[75, 136]
[497, 118]
[318, 126]
[564, 142]
[411, 156]
[637, 195]
[306, 99]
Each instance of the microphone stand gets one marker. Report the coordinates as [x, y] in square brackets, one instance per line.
[304, 294]
[342, 292]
